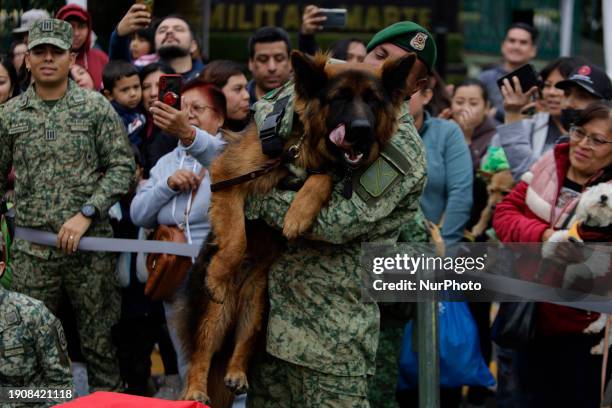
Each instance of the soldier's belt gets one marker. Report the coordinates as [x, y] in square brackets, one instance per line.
[111, 244]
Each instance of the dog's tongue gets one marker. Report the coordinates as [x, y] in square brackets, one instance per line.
[337, 135]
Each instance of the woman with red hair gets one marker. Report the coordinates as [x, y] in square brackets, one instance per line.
[166, 197]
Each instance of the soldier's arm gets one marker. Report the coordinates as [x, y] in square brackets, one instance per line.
[6, 153]
[346, 219]
[116, 158]
[52, 351]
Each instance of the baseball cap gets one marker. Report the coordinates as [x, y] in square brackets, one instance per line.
[51, 31]
[29, 18]
[410, 37]
[592, 79]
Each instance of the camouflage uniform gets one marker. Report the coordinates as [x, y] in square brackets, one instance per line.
[32, 345]
[319, 330]
[73, 153]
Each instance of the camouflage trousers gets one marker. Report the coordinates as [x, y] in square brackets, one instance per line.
[277, 383]
[382, 385]
[89, 280]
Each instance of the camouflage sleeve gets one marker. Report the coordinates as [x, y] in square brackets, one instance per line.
[52, 351]
[343, 220]
[116, 158]
[6, 153]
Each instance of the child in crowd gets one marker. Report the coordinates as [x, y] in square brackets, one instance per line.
[142, 46]
[82, 77]
[122, 88]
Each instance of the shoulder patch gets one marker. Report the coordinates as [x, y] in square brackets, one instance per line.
[374, 182]
[378, 177]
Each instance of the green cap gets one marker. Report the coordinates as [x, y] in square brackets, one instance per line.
[50, 31]
[411, 37]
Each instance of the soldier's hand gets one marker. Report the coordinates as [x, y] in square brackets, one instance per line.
[311, 20]
[135, 19]
[183, 180]
[172, 121]
[72, 231]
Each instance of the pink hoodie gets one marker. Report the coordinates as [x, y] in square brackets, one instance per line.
[92, 59]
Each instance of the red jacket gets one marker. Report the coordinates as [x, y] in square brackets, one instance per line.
[92, 59]
[515, 221]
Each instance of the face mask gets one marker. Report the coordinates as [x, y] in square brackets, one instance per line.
[569, 117]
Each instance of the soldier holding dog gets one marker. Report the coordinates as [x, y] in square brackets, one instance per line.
[72, 162]
[321, 338]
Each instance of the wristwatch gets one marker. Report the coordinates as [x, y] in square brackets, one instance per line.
[89, 211]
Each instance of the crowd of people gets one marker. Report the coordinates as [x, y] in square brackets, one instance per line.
[88, 149]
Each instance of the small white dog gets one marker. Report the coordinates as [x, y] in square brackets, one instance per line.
[593, 223]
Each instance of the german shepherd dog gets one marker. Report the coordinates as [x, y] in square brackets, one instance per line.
[347, 114]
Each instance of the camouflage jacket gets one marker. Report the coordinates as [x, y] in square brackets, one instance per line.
[33, 349]
[74, 153]
[317, 317]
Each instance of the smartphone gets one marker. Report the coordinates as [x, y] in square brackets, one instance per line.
[336, 17]
[527, 75]
[148, 3]
[170, 90]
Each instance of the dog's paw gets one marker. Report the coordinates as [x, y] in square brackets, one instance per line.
[237, 382]
[196, 395]
[598, 349]
[597, 326]
[294, 228]
[550, 247]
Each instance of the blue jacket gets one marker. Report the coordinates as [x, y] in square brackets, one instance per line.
[134, 121]
[450, 176]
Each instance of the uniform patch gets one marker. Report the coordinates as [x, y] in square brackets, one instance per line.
[378, 177]
[18, 128]
[14, 351]
[50, 135]
[12, 318]
[47, 26]
[61, 337]
[418, 41]
[79, 125]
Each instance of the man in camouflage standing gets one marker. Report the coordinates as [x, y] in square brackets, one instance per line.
[322, 338]
[72, 162]
[33, 349]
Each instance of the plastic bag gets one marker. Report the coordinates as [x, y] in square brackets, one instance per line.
[461, 361]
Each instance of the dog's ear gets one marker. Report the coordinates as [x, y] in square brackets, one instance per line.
[309, 74]
[394, 74]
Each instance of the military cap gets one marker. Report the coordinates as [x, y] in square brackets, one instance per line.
[51, 31]
[410, 37]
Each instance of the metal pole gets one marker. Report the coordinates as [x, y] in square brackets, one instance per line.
[427, 348]
[567, 27]
[206, 28]
[606, 8]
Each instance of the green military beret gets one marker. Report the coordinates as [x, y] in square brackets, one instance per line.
[50, 31]
[411, 37]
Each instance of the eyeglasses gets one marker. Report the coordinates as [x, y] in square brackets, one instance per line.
[199, 109]
[577, 134]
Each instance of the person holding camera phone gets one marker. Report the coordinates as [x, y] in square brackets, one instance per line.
[518, 48]
[174, 40]
[314, 19]
[526, 140]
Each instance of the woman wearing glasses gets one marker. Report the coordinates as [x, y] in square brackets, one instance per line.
[165, 198]
[558, 368]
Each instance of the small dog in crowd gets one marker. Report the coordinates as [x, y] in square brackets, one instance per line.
[593, 224]
[347, 114]
[499, 184]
